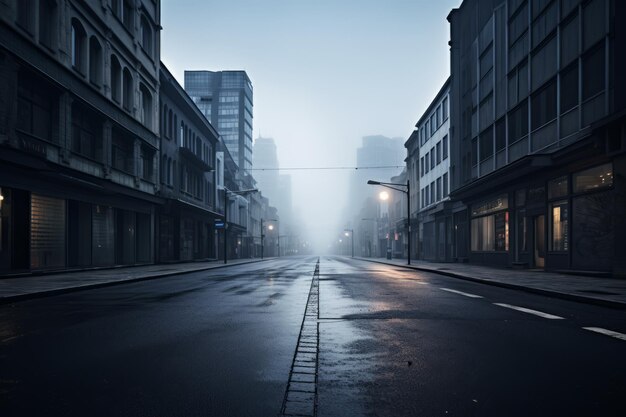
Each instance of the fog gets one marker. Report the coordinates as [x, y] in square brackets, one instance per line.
[325, 73]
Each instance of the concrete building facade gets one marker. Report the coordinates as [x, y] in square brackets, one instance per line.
[538, 132]
[79, 133]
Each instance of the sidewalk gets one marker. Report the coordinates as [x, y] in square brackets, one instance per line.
[21, 288]
[610, 292]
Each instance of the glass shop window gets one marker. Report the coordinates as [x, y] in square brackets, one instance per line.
[594, 178]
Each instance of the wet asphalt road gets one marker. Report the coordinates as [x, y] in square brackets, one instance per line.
[392, 342]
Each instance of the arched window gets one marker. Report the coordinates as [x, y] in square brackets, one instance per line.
[164, 169]
[48, 23]
[164, 114]
[169, 124]
[146, 36]
[128, 15]
[95, 61]
[127, 98]
[116, 79]
[170, 173]
[146, 106]
[174, 127]
[79, 45]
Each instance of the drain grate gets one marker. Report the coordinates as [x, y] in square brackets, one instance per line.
[301, 393]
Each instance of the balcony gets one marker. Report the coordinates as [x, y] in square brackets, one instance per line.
[194, 159]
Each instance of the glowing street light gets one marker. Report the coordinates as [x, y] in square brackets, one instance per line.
[350, 232]
[394, 186]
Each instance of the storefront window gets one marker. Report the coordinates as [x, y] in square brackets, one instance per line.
[502, 231]
[490, 231]
[594, 178]
[521, 232]
[559, 241]
[557, 187]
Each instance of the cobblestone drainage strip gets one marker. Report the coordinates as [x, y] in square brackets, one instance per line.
[301, 393]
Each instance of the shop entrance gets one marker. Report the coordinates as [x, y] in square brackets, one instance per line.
[540, 241]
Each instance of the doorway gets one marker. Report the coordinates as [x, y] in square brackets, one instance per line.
[540, 241]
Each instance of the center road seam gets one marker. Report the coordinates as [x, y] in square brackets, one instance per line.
[300, 397]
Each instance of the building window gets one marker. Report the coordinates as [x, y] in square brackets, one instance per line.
[427, 127]
[594, 178]
[433, 124]
[500, 134]
[122, 152]
[569, 88]
[146, 106]
[146, 159]
[146, 37]
[486, 144]
[444, 107]
[34, 107]
[95, 61]
[26, 14]
[559, 220]
[518, 122]
[422, 166]
[432, 158]
[490, 225]
[438, 147]
[427, 161]
[127, 98]
[86, 129]
[432, 192]
[543, 106]
[593, 72]
[444, 147]
[445, 185]
[557, 187]
[78, 46]
[128, 15]
[47, 23]
[116, 79]
[439, 190]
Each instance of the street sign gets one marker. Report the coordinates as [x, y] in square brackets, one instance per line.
[219, 224]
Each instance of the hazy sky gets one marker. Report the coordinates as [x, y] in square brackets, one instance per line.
[324, 72]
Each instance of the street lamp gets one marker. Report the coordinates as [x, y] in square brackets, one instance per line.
[239, 192]
[271, 227]
[408, 204]
[350, 232]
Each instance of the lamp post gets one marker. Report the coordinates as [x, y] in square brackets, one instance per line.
[350, 232]
[408, 205]
[271, 227]
[226, 191]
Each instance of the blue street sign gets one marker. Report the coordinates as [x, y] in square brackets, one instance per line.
[219, 224]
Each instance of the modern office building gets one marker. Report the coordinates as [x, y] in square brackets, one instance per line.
[79, 133]
[538, 134]
[225, 98]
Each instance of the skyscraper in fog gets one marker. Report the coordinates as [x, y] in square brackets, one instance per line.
[274, 186]
[225, 98]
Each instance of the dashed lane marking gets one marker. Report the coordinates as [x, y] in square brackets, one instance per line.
[466, 294]
[529, 311]
[617, 335]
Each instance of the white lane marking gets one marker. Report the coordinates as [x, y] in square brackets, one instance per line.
[611, 333]
[529, 311]
[461, 293]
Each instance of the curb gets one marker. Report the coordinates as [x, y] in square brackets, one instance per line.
[555, 294]
[58, 291]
